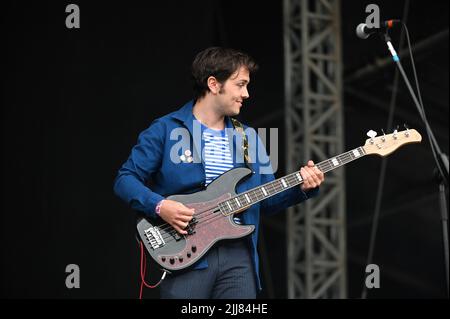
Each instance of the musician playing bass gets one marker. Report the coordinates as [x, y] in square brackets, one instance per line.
[187, 150]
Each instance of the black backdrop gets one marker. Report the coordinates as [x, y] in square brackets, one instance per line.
[74, 101]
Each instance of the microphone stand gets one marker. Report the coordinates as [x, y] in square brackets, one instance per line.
[441, 159]
[444, 218]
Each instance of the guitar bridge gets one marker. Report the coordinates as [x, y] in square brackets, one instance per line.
[154, 237]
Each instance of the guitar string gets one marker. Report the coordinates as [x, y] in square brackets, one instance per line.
[205, 220]
[324, 166]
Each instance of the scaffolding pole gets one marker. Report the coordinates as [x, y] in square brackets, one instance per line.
[316, 230]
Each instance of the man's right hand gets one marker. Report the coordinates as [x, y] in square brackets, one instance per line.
[176, 214]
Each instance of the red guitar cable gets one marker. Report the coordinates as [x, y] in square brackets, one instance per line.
[143, 270]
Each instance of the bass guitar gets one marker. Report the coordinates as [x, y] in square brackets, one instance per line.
[216, 205]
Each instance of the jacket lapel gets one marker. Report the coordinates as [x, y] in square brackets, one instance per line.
[187, 118]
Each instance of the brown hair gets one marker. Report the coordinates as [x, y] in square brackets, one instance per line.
[220, 63]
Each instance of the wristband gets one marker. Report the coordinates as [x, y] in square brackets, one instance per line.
[158, 207]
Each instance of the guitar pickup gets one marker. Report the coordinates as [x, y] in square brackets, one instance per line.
[190, 227]
[176, 236]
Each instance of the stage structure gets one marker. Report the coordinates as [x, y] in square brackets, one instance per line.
[316, 229]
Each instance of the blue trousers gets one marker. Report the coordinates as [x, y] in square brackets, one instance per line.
[230, 275]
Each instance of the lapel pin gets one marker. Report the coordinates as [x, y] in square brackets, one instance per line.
[187, 157]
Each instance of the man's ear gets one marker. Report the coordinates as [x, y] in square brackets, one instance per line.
[213, 85]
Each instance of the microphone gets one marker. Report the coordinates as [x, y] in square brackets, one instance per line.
[363, 31]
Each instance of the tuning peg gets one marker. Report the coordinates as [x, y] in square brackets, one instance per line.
[407, 130]
[395, 133]
[384, 136]
[371, 134]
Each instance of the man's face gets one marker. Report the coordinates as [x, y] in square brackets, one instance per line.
[233, 92]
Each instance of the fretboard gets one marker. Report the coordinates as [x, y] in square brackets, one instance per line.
[244, 200]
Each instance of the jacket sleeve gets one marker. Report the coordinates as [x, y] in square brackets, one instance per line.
[285, 199]
[145, 159]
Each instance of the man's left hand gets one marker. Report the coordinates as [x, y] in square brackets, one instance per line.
[312, 176]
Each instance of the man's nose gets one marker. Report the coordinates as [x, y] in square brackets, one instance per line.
[245, 94]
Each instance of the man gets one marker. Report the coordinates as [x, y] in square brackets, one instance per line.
[231, 268]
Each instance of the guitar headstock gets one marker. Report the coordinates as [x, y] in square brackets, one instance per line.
[386, 144]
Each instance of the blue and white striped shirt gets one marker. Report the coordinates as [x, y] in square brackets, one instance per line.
[216, 155]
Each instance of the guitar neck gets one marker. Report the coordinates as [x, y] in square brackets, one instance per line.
[244, 200]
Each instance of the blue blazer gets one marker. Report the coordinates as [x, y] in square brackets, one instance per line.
[153, 171]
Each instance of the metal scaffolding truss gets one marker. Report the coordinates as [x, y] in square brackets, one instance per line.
[314, 130]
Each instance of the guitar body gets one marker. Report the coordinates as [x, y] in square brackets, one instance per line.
[173, 251]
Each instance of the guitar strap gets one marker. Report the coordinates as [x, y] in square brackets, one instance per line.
[240, 128]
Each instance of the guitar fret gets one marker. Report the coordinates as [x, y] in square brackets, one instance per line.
[262, 192]
[277, 186]
[342, 159]
[254, 195]
[274, 186]
[250, 195]
[292, 181]
[259, 193]
[362, 150]
[322, 166]
[350, 157]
